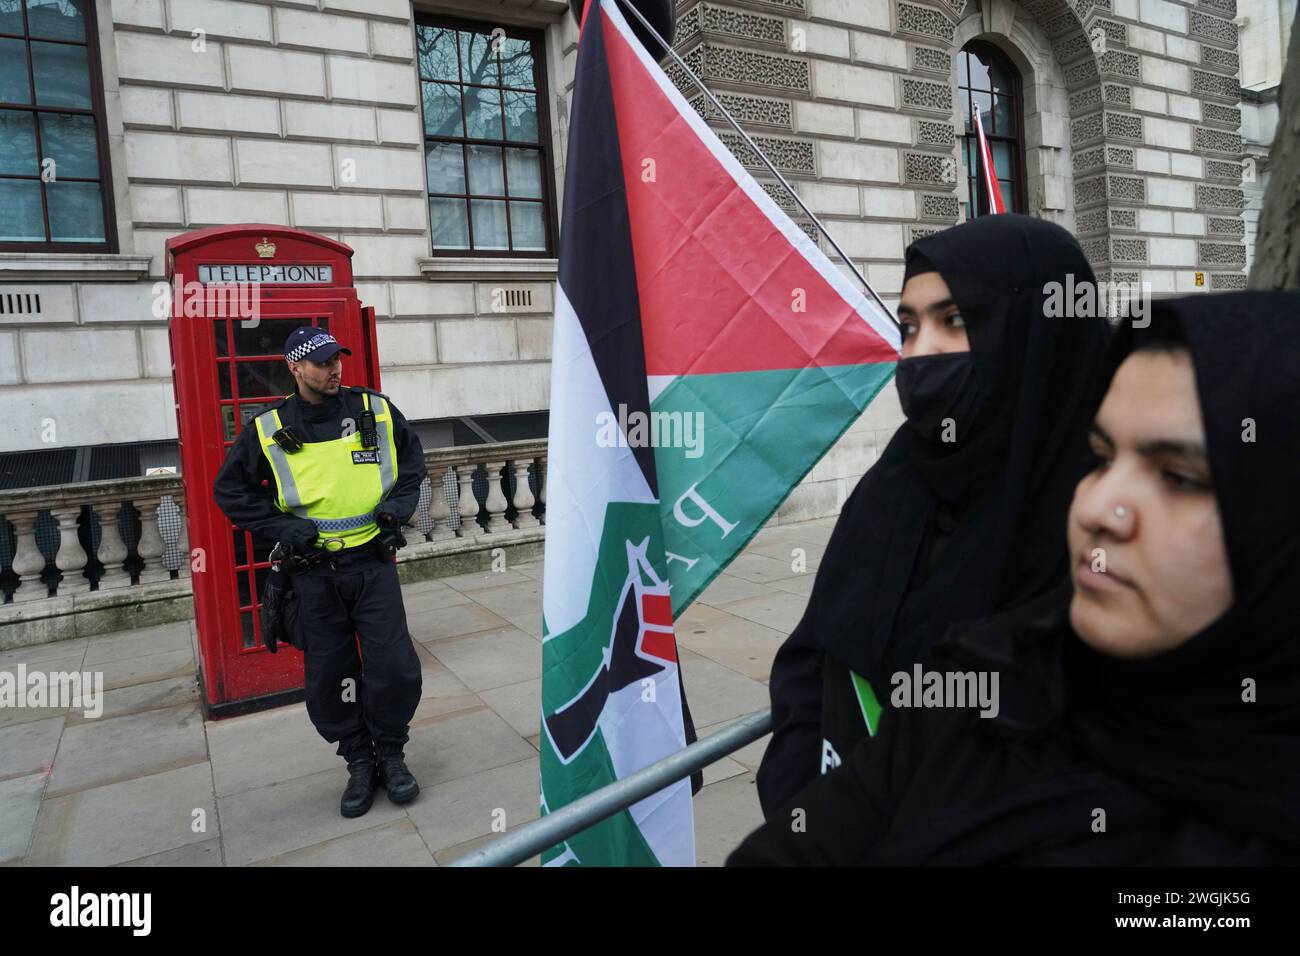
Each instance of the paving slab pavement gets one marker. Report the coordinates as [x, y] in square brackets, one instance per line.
[149, 782]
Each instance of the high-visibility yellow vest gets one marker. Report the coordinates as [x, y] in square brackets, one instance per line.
[337, 483]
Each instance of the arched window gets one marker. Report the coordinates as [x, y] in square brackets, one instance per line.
[987, 79]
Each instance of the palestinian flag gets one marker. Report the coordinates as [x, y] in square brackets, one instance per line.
[706, 355]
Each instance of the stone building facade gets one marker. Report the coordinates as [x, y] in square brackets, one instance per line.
[316, 114]
[1131, 120]
[1265, 31]
[289, 112]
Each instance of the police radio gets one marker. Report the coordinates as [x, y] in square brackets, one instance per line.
[369, 433]
[287, 439]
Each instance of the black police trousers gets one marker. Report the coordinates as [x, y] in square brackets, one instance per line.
[358, 694]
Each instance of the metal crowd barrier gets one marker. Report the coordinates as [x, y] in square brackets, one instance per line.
[532, 838]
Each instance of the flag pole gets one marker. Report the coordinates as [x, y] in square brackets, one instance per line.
[717, 104]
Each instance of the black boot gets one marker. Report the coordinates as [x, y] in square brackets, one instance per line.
[363, 779]
[401, 784]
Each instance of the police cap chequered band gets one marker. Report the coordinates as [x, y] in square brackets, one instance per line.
[311, 345]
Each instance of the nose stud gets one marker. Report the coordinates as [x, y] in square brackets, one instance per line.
[1121, 511]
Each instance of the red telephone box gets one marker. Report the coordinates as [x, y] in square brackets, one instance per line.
[237, 293]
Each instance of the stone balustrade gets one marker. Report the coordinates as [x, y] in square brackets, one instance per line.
[486, 489]
[91, 536]
[72, 539]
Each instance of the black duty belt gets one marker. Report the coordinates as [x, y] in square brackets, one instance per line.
[362, 552]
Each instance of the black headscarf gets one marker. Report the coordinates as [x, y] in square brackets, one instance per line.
[1175, 725]
[1001, 488]
[1185, 770]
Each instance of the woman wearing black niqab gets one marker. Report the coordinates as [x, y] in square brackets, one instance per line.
[1151, 720]
[940, 531]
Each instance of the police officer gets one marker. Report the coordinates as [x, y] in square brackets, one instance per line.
[338, 470]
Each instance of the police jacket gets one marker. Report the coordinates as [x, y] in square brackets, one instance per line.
[245, 487]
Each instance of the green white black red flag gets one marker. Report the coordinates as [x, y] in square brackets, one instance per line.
[706, 355]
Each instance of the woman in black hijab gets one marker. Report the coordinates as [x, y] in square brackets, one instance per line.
[960, 516]
[1150, 705]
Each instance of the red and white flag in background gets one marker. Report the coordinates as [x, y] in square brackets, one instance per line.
[988, 175]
